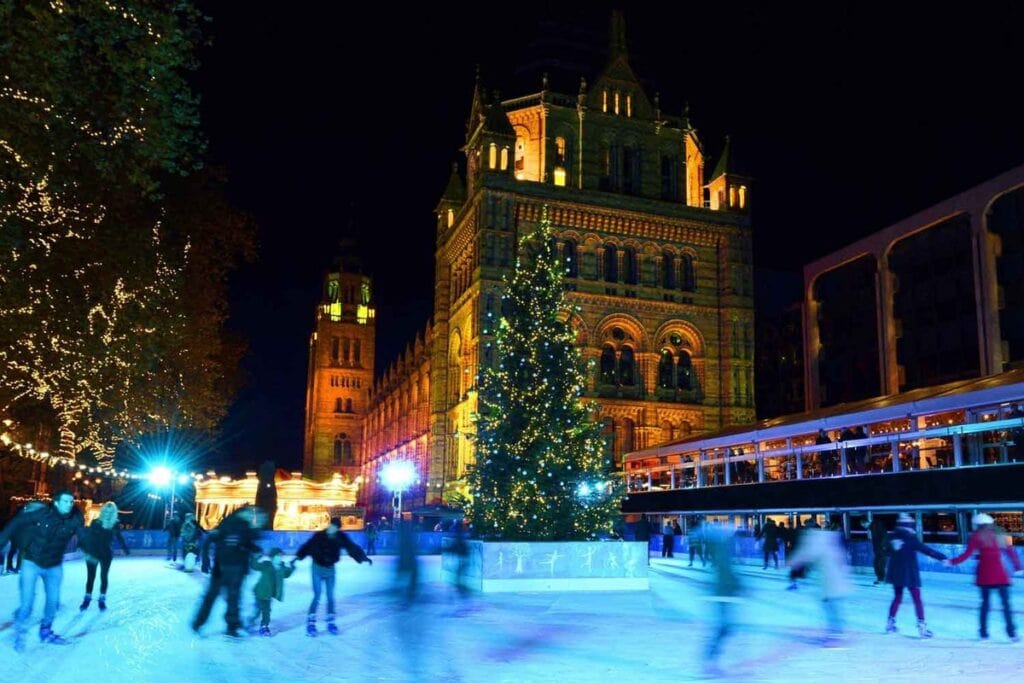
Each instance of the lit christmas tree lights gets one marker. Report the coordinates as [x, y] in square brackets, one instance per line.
[542, 471]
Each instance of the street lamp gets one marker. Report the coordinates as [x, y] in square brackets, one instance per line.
[397, 476]
[161, 476]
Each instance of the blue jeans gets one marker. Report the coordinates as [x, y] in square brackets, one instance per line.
[51, 576]
[326, 575]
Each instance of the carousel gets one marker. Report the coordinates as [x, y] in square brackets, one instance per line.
[302, 505]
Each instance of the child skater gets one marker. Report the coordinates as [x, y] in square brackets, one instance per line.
[272, 572]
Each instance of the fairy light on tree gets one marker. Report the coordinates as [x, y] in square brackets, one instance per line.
[111, 279]
[541, 469]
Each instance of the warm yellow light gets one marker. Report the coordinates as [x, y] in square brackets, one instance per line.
[559, 176]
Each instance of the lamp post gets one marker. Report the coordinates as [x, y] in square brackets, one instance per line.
[397, 476]
[161, 476]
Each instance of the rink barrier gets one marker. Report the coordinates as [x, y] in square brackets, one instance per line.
[748, 549]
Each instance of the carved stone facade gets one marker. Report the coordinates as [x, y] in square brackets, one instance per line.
[659, 275]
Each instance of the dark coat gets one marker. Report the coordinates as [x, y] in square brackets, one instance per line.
[879, 536]
[173, 527]
[326, 551]
[903, 549]
[190, 533]
[97, 540]
[270, 584]
[642, 530]
[771, 535]
[44, 534]
[235, 540]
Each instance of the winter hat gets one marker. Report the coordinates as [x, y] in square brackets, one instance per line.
[905, 520]
[336, 521]
[981, 518]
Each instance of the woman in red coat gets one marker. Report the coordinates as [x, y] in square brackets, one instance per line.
[991, 573]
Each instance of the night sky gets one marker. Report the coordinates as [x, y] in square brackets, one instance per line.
[334, 123]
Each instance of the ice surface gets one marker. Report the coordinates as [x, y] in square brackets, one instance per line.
[658, 635]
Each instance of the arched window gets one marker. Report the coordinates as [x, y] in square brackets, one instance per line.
[732, 197]
[348, 405]
[684, 371]
[451, 217]
[611, 263]
[668, 270]
[338, 405]
[608, 365]
[346, 345]
[504, 158]
[629, 266]
[570, 258]
[627, 367]
[520, 155]
[666, 370]
[743, 196]
[343, 451]
[355, 351]
[560, 151]
[492, 156]
[688, 280]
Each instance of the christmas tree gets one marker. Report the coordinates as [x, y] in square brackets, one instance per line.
[541, 470]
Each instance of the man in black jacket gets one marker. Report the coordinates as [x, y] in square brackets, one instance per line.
[47, 530]
[325, 549]
[235, 538]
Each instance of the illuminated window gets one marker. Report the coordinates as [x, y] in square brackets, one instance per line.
[604, 101]
[492, 156]
[520, 156]
[504, 158]
[743, 196]
[559, 176]
[732, 196]
[629, 105]
[616, 103]
[559, 151]
[451, 217]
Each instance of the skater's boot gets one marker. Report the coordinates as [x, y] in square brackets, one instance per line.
[331, 628]
[311, 626]
[46, 635]
[922, 629]
[85, 602]
[102, 603]
[890, 626]
[264, 630]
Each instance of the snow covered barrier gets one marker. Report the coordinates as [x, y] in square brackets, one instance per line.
[497, 567]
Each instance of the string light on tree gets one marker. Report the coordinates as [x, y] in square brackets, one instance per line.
[542, 470]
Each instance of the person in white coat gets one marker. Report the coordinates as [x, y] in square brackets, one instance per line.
[824, 550]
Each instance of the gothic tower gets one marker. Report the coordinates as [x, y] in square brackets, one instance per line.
[658, 262]
[340, 372]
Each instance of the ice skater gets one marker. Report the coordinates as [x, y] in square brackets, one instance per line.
[51, 527]
[95, 545]
[191, 532]
[235, 538]
[991, 575]
[270, 586]
[324, 548]
[903, 571]
[824, 550]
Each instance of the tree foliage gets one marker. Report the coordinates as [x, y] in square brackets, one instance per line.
[114, 248]
[542, 472]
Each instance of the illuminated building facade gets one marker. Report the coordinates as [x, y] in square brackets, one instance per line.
[340, 373]
[659, 275]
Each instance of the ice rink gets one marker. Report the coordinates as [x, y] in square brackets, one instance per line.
[658, 635]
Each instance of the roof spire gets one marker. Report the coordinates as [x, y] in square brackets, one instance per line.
[617, 39]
